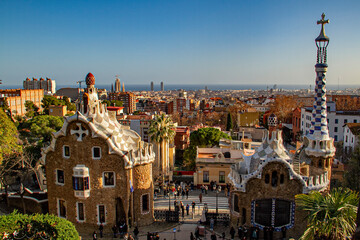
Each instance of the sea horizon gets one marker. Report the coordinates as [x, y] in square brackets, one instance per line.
[214, 87]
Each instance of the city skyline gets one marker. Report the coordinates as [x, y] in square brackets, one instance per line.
[192, 42]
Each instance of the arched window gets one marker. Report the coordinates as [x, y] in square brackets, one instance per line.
[267, 178]
[274, 179]
[243, 216]
[236, 203]
[282, 178]
[320, 163]
[227, 155]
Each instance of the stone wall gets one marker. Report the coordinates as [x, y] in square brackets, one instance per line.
[81, 154]
[257, 189]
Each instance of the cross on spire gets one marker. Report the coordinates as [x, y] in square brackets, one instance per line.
[323, 21]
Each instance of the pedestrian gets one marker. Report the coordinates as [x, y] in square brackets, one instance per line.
[202, 188]
[136, 232]
[197, 234]
[192, 236]
[182, 210]
[213, 236]
[200, 197]
[223, 235]
[206, 189]
[101, 228]
[283, 231]
[114, 229]
[94, 235]
[193, 206]
[212, 222]
[187, 193]
[232, 233]
[187, 209]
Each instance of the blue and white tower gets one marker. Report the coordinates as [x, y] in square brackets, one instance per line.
[318, 142]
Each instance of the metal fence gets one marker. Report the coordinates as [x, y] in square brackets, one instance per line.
[223, 218]
[168, 216]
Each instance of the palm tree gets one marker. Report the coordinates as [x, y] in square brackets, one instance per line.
[330, 216]
[161, 131]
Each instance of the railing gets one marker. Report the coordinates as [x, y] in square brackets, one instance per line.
[168, 216]
[223, 218]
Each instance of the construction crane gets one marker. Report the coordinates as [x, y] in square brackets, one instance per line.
[79, 82]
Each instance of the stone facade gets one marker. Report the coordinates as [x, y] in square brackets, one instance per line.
[92, 165]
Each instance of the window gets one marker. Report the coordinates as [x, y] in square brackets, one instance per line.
[101, 214]
[273, 212]
[108, 179]
[335, 129]
[267, 178]
[145, 203]
[274, 179]
[355, 121]
[206, 176]
[345, 121]
[243, 216]
[282, 177]
[221, 177]
[336, 121]
[96, 152]
[236, 203]
[59, 177]
[81, 183]
[66, 151]
[80, 211]
[61, 208]
[335, 138]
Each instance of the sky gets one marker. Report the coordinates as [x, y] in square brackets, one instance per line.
[177, 42]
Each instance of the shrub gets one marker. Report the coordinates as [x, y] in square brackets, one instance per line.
[37, 226]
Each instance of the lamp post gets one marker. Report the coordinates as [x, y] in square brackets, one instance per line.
[217, 193]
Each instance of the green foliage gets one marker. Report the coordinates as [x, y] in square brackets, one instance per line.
[161, 128]
[8, 133]
[352, 174]
[41, 127]
[50, 100]
[36, 226]
[4, 104]
[330, 216]
[31, 109]
[114, 103]
[229, 122]
[204, 137]
[207, 137]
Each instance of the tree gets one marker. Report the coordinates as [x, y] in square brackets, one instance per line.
[161, 130]
[115, 103]
[330, 216]
[50, 100]
[352, 174]
[21, 166]
[229, 123]
[31, 109]
[283, 107]
[39, 128]
[69, 105]
[204, 137]
[8, 132]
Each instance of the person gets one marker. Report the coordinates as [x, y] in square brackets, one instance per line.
[192, 236]
[200, 197]
[212, 222]
[187, 209]
[213, 236]
[206, 189]
[223, 235]
[232, 233]
[101, 228]
[240, 232]
[136, 232]
[187, 193]
[114, 229]
[182, 210]
[283, 231]
[94, 235]
[193, 206]
[197, 234]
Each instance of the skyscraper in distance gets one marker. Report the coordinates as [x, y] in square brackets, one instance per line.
[162, 86]
[152, 86]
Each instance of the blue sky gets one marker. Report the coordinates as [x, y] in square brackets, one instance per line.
[190, 42]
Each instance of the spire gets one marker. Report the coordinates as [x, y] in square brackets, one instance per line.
[318, 140]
